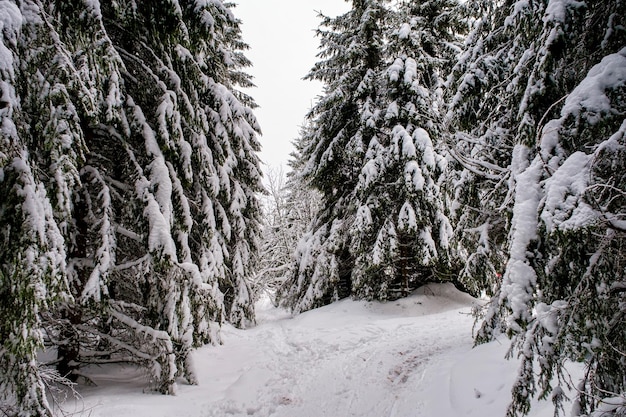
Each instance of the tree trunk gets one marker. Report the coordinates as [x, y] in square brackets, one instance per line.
[68, 351]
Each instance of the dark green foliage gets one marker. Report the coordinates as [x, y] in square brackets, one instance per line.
[335, 146]
[122, 127]
[537, 125]
[373, 151]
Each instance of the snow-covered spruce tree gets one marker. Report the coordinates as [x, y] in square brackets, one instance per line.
[303, 201]
[372, 149]
[400, 238]
[351, 53]
[188, 158]
[36, 178]
[484, 91]
[31, 274]
[146, 152]
[547, 80]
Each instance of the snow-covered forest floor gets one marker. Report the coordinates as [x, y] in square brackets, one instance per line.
[411, 357]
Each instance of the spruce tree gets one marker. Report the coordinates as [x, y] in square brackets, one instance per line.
[373, 151]
[342, 124]
[481, 124]
[302, 200]
[35, 210]
[401, 234]
[124, 120]
[546, 80]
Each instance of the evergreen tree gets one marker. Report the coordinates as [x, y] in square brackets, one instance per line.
[303, 202]
[35, 211]
[547, 80]
[342, 124]
[401, 234]
[372, 152]
[125, 128]
[482, 121]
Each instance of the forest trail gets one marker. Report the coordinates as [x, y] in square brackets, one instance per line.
[347, 359]
[410, 357]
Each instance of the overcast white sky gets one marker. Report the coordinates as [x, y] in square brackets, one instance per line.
[283, 50]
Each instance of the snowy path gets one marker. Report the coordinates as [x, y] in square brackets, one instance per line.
[410, 357]
[341, 361]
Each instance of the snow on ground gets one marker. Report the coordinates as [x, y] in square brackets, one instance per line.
[411, 357]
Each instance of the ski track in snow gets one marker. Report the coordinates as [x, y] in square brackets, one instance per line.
[410, 357]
